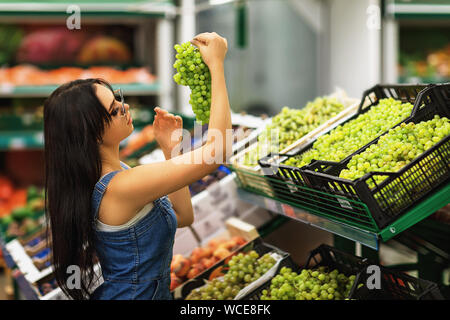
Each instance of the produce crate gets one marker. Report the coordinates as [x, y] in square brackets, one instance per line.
[401, 190]
[326, 256]
[258, 245]
[272, 164]
[236, 161]
[394, 286]
[287, 180]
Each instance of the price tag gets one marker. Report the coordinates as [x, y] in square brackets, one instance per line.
[345, 204]
[288, 210]
[17, 143]
[199, 212]
[39, 137]
[292, 188]
[271, 205]
[217, 193]
[6, 88]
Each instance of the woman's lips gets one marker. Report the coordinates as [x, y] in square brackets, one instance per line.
[129, 120]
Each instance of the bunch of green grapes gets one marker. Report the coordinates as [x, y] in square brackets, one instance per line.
[243, 269]
[349, 137]
[310, 284]
[193, 72]
[397, 148]
[290, 125]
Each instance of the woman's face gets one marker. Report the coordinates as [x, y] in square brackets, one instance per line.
[121, 126]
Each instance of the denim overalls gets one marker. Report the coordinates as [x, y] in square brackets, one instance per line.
[135, 262]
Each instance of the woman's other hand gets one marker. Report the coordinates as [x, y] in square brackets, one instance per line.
[165, 127]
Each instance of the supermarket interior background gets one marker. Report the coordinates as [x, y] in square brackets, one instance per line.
[332, 59]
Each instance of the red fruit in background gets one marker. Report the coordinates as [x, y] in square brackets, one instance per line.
[18, 199]
[221, 253]
[103, 48]
[180, 265]
[217, 272]
[195, 270]
[239, 240]
[200, 253]
[214, 243]
[174, 281]
[4, 210]
[50, 45]
[6, 188]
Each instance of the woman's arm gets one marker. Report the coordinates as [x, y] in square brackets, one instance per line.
[145, 183]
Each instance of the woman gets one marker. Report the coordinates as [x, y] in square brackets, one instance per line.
[100, 208]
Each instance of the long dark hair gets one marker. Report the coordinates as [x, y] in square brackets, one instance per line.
[74, 122]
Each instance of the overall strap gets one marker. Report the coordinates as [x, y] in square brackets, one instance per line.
[100, 188]
[124, 166]
[99, 191]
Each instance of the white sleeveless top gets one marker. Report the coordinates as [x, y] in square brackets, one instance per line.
[141, 214]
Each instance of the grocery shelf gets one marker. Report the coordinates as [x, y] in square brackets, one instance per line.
[146, 8]
[27, 139]
[131, 89]
[434, 9]
[22, 283]
[368, 238]
[21, 140]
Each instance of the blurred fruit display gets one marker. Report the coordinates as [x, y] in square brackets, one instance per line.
[138, 141]
[55, 45]
[25, 74]
[52, 45]
[104, 49]
[435, 65]
[202, 258]
[10, 40]
[427, 62]
[20, 208]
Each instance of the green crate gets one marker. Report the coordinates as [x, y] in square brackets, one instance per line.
[341, 210]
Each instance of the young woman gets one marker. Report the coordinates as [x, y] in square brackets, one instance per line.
[99, 208]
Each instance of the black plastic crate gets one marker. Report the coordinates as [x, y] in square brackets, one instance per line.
[287, 181]
[258, 245]
[401, 190]
[371, 97]
[394, 286]
[326, 256]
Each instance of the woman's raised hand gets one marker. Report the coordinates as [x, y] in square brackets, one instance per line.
[213, 48]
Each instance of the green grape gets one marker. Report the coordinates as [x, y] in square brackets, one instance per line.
[352, 135]
[290, 125]
[240, 273]
[308, 285]
[396, 149]
[192, 72]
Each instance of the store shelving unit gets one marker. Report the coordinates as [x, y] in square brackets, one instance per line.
[314, 213]
[405, 14]
[133, 89]
[139, 13]
[408, 9]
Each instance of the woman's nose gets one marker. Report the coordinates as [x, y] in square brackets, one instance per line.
[127, 106]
